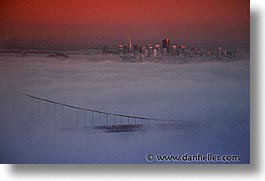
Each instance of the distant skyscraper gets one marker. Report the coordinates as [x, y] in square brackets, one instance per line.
[154, 52]
[166, 44]
[219, 52]
[130, 45]
[157, 47]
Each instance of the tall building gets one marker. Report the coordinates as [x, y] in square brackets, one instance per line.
[219, 52]
[130, 45]
[166, 44]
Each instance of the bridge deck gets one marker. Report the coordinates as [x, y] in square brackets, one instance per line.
[120, 128]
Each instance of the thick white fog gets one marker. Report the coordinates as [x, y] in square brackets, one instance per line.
[213, 97]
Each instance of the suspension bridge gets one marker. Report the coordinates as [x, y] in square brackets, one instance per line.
[71, 116]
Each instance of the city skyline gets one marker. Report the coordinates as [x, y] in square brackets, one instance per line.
[96, 23]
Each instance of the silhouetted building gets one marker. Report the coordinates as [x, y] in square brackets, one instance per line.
[232, 53]
[135, 49]
[125, 50]
[182, 49]
[145, 51]
[150, 50]
[166, 44]
[174, 50]
[120, 49]
[105, 50]
[140, 49]
[154, 52]
[164, 52]
[219, 52]
[157, 47]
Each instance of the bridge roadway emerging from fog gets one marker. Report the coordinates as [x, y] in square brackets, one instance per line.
[69, 116]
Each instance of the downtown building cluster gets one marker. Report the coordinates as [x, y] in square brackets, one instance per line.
[168, 51]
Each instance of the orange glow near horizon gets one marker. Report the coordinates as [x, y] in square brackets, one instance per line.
[112, 21]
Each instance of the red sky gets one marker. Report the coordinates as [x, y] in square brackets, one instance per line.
[99, 22]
